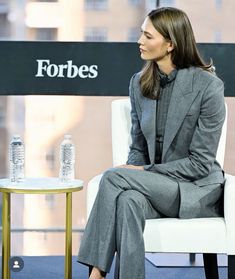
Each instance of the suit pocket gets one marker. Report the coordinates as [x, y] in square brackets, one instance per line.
[190, 114]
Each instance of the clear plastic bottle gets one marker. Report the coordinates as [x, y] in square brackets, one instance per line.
[67, 159]
[16, 159]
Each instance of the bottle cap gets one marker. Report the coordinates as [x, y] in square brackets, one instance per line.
[67, 136]
[16, 136]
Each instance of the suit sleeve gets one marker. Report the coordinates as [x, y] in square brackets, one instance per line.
[205, 140]
[138, 152]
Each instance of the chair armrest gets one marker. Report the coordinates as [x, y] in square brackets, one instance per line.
[92, 190]
[229, 212]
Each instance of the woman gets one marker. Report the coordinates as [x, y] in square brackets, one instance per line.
[177, 116]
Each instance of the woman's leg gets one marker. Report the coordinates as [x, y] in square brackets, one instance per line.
[98, 244]
[132, 210]
[95, 273]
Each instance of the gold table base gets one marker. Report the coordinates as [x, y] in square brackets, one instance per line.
[6, 234]
[6, 228]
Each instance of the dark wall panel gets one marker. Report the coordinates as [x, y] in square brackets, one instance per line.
[90, 69]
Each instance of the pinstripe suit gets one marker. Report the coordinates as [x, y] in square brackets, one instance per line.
[187, 183]
[193, 128]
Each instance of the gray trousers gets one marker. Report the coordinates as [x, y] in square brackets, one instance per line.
[126, 198]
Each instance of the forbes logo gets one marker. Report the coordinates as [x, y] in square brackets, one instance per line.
[45, 68]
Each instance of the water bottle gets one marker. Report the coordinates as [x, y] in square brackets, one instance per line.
[16, 158]
[67, 159]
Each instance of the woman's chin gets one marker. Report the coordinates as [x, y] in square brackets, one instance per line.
[144, 56]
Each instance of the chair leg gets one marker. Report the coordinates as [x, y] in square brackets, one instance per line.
[192, 258]
[231, 266]
[211, 266]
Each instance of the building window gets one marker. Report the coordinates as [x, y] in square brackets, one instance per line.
[4, 7]
[167, 3]
[217, 37]
[2, 117]
[46, 34]
[50, 158]
[95, 34]
[4, 26]
[133, 34]
[96, 4]
[134, 2]
[151, 5]
[218, 4]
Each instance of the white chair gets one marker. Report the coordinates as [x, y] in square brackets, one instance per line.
[209, 236]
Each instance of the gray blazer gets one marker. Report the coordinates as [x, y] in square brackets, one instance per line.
[193, 128]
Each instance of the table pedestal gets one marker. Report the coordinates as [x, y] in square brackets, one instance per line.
[6, 234]
[36, 186]
[68, 244]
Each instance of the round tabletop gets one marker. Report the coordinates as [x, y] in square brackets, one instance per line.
[47, 185]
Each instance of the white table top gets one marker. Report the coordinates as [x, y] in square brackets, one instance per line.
[40, 185]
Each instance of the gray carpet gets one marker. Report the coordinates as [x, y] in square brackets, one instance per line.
[53, 268]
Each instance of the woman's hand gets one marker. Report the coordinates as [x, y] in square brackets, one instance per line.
[131, 167]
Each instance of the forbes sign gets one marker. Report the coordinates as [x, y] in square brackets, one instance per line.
[69, 70]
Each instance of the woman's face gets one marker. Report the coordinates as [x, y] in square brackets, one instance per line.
[153, 46]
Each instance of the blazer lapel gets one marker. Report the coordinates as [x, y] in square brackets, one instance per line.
[181, 99]
[148, 125]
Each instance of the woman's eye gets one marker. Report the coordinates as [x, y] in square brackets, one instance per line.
[146, 35]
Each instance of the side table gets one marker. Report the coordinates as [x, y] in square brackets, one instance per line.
[49, 185]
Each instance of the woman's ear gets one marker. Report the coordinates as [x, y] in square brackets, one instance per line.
[170, 47]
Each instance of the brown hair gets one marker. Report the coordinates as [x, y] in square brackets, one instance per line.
[173, 24]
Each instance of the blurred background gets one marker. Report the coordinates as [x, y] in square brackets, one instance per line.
[41, 120]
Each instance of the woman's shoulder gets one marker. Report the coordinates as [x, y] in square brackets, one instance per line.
[135, 83]
[208, 82]
[136, 78]
[196, 79]
[204, 76]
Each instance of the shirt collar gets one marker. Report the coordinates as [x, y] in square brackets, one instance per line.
[164, 78]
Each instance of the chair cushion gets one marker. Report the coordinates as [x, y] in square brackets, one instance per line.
[185, 235]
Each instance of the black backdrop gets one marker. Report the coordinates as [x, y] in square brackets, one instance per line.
[88, 69]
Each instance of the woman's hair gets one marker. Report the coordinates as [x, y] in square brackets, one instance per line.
[173, 24]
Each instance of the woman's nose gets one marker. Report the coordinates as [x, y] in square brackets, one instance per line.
[140, 40]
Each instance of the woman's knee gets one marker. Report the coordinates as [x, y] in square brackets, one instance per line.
[130, 207]
[110, 173]
[131, 199]
[113, 175]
